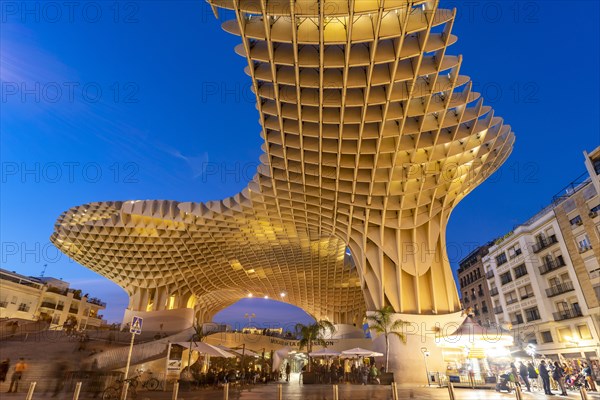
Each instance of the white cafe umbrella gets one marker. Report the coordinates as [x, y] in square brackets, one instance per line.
[279, 356]
[206, 348]
[324, 353]
[359, 352]
[246, 353]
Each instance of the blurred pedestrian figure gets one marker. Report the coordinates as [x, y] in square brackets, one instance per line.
[524, 373]
[364, 373]
[4, 365]
[15, 327]
[545, 375]
[59, 375]
[20, 368]
[514, 375]
[589, 377]
[83, 339]
[374, 374]
[111, 337]
[288, 371]
[559, 376]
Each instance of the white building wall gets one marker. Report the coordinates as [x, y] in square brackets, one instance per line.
[566, 334]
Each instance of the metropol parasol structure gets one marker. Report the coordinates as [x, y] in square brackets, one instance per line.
[371, 138]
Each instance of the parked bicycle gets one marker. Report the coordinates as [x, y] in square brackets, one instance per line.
[151, 383]
[114, 392]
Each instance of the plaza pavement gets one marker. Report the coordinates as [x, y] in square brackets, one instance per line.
[295, 391]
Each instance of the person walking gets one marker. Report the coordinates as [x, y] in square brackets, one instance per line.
[545, 375]
[364, 371]
[559, 377]
[60, 372]
[514, 375]
[374, 374]
[288, 371]
[532, 374]
[524, 374]
[589, 377]
[4, 366]
[20, 367]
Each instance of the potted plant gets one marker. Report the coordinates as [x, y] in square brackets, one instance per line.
[310, 335]
[382, 322]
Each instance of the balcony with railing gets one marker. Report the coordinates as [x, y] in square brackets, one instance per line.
[544, 243]
[498, 310]
[47, 304]
[511, 301]
[583, 249]
[559, 289]
[520, 273]
[516, 254]
[516, 322]
[494, 291]
[24, 307]
[527, 296]
[533, 317]
[567, 314]
[551, 265]
[489, 274]
[96, 301]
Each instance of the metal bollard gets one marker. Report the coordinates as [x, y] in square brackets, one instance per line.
[451, 391]
[124, 391]
[394, 391]
[280, 392]
[30, 391]
[77, 391]
[226, 391]
[335, 392]
[583, 393]
[175, 390]
[518, 393]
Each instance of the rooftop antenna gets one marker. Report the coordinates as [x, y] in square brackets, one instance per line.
[43, 270]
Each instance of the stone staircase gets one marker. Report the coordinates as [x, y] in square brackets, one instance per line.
[41, 358]
[8, 330]
[44, 349]
[117, 357]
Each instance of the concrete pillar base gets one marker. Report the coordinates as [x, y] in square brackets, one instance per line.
[406, 360]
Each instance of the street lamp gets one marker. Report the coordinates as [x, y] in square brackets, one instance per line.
[426, 354]
[249, 317]
[530, 350]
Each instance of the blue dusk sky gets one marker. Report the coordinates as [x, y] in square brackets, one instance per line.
[104, 100]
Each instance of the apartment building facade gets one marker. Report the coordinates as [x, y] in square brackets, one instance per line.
[32, 298]
[474, 291]
[544, 276]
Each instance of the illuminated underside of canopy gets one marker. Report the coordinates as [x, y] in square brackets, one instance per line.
[372, 136]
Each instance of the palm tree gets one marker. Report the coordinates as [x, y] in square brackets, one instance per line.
[313, 334]
[381, 321]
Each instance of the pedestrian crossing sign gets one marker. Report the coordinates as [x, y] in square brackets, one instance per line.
[136, 325]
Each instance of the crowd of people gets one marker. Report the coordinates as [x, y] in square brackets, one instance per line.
[339, 372]
[553, 375]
